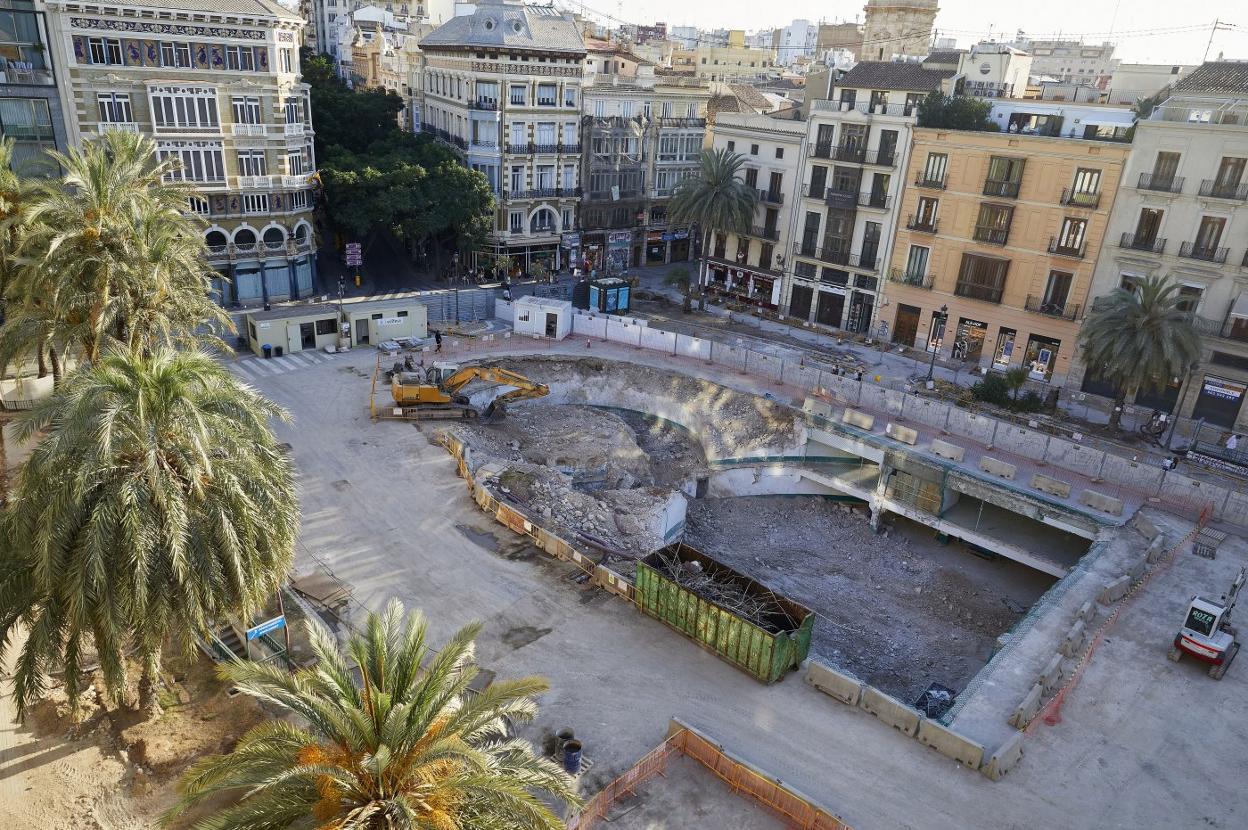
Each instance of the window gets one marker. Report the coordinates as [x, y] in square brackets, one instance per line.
[753, 149]
[297, 164]
[327, 326]
[879, 102]
[666, 110]
[517, 97]
[569, 177]
[732, 146]
[546, 95]
[1208, 235]
[299, 200]
[566, 217]
[252, 163]
[645, 110]
[255, 203]
[993, 224]
[294, 110]
[286, 60]
[517, 178]
[934, 170]
[545, 177]
[779, 152]
[185, 108]
[544, 133]
[201, 161]
[600, 109]
[751, 177]
[114, 108]
[516, 220]
[916, 265]
[106, 51]
[925, 216]
[1230, 175]
[569, 96]
[239, 58]
[1005, 176]
[1056, 292]
[626, 109]
[1165, 167]
[1071, 238]
[246, 110]
[197, 205]
[982, 277]
[28, 122]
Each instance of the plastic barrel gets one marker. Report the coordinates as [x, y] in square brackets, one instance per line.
[564, 735]
[572, 757]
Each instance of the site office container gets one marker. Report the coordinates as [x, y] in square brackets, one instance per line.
[765, 651]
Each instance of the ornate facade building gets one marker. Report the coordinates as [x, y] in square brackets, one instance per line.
[897, 27]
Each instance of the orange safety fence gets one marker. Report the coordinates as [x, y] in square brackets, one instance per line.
[795, 810]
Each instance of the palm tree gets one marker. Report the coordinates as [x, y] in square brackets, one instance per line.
[679, 278]
[105, 242]
[402, 747]
[717, 199]
[157, 504]
[1139, 338]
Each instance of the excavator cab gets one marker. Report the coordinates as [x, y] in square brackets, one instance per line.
[1207, 634]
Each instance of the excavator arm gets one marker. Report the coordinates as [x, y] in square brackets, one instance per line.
[525, 388]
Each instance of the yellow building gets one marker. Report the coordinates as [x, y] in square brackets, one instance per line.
[994, 257]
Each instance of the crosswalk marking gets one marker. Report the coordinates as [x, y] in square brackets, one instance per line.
[255, 368]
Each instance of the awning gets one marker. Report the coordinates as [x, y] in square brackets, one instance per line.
[1240, 308]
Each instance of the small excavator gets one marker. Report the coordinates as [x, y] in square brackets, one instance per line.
[437, 392]
[1207, 633]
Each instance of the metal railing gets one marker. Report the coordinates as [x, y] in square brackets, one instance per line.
[763, 232]
[904, 276]
[1136, 242]
[1205, 253]
[257, 250]
[935, 184]
[771, 197]
[976, 291]
[880, 201]
[1164, 184]
[486, 104]
[1064, 311]
[835, 256]
[1221, 190]
[547, 193]
[1002, 189]
[1079, 198]
[916, 224]
[993, 236]
[1057, 247]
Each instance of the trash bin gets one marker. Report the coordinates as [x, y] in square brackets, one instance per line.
[277, 351]
[268, 351]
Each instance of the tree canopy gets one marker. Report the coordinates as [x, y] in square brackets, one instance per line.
[378, 176]
[956, 112]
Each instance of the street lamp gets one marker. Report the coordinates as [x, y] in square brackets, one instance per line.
[934, 341]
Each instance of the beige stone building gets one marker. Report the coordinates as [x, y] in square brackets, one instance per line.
[897, 27]
[994, 258]
[216, 84]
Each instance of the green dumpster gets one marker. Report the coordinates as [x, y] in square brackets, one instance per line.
[686, 589]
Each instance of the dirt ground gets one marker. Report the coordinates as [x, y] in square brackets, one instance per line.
[899, 609]
[112, 769]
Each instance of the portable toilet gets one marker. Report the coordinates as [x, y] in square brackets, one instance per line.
[542, 317]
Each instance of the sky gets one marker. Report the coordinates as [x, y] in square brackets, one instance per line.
[1144, 30]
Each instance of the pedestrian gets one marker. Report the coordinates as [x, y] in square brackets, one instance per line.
[437, 339]
[1232, 443]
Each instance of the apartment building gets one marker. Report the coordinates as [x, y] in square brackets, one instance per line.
[751, 266]
[993, 265]
[856, 150]
[1182, 213]
[642, 133]
[1072, 61]
[30, 107]
[502, 83]
[217, 87]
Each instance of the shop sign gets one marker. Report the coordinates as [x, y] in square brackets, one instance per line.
[1223, 389]
[571, 240]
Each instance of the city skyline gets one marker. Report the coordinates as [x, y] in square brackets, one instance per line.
[1144, 32]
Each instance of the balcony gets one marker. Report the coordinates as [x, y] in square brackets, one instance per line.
[1162, 184]
[686, 123]
[823, 151]
[221, 254]
[763, 232]
[1065, 249]
[922, 225]
[718, 258]
[878, 201]
[298, 180]
[1136, 242]
[933, 184]
[255, 181]
[294, 129]
[1001, 189]
[904, 276]
[117, 127]
[771, 197]
[25, 39]
[861, 155]
[252, 130]
[977, 291]
[1078, 198]
[993, 236]
[843, 199]
[1204, 253]
[1063, 311]
[1220, 190]
[549, 193]
[486, 104]
[836, 256]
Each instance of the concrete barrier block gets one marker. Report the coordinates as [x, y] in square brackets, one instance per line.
[857, 419]
[946, 450]
[1073, 643]
[905, 435]
[814, 406]
[1101, 502]
[998, 468]
[1087, 612]
[1157, 549]
[950, 744]
[1138, 569]
[1005, 758]
[1052, 674]
[1052, 486]
[1114, 591]
[1145, 527]
[1028, 708]
[843, 687]
[891, 711]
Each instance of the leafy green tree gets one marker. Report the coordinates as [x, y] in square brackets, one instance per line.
[406, 746]
[956, 112]
[157, 505]
[108, 257]
[717, 198]
[680, 278]
[1139, 338]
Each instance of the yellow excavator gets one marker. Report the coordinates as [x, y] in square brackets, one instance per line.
[437, 391]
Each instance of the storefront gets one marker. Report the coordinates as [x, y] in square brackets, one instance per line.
[678, 245]
[751, 286]
[968, 343]
[619, 246]
[570, 247]
[1003, 353]
[656, 247]
[906, 324]
[1041, 357]
[1219, 401]
[830, 307]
